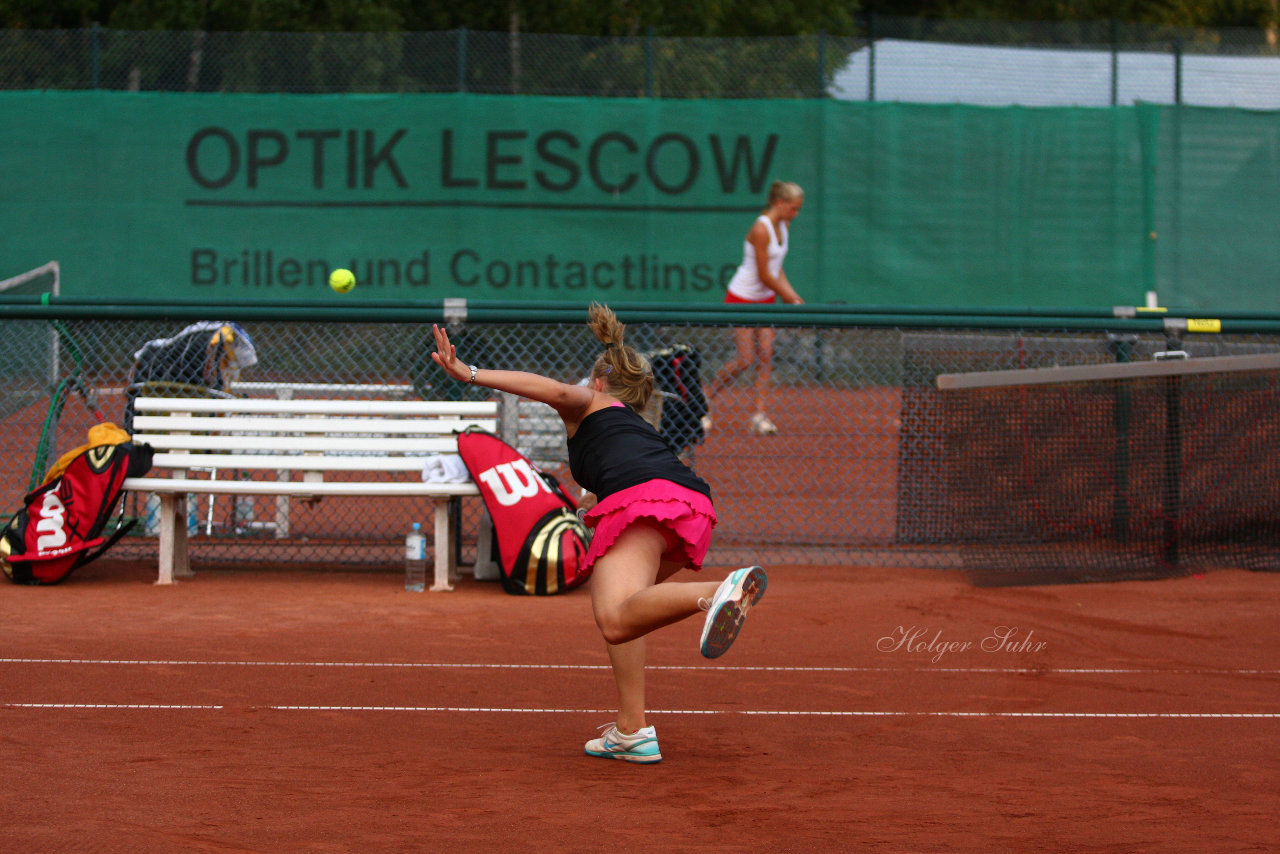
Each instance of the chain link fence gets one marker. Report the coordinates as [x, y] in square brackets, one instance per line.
[896, 59]
[853, 474]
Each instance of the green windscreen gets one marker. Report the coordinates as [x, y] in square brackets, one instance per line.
[147, 195]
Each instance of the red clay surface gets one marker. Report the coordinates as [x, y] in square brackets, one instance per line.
[321, 711]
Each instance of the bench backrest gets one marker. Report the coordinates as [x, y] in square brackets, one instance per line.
[311, 435]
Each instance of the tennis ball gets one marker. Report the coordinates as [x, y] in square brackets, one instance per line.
[342, 280]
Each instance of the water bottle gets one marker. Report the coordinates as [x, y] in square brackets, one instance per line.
[242, 509]
[151, 515]
[415, 560]
[193, 514]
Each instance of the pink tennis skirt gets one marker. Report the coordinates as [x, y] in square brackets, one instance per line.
[684, 515]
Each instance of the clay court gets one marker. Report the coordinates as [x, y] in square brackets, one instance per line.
[861, 710]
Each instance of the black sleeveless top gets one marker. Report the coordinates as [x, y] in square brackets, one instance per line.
[615, 449]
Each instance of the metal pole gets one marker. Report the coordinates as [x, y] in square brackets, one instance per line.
[648, 62]
[1177, 71]
[1115, 61]
[462, 59]
[1122, 347]
[871, 56]
[1171, 505]
[95, 51]
[822, 63]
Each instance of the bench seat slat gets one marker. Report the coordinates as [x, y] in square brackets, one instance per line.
[297, 487]
[257, 424]
[290, 462]
[321, 444]
[268, 406]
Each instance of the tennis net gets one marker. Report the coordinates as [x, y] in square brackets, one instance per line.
[1111, 472]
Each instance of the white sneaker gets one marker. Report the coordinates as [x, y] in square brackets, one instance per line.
[728, 609]
[640, 746]
[761, 424]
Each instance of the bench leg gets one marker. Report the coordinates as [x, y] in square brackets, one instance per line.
[282, 511]
[174, 562]
[443, 546]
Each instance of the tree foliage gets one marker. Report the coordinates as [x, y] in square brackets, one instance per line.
[1169, 13]
[687, 18]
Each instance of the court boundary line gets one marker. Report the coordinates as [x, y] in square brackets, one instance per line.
[556, 711]
[1031, 670]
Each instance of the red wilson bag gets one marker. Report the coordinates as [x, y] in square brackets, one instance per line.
[541, 540]
[59, 527]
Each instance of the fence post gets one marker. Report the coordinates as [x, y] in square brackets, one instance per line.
[462, 59]
[648, 62]
[513, 47]
[871, 56]
[95, 52]
[822, 63]
[1115, 61]
[1177, 71]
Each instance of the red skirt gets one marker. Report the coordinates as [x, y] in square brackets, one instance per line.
[733, 299]
[684, 515]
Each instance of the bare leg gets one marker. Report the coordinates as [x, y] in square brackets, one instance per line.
[764, 376]
[627, 660]
[745, 342]
[629, 603]
[627, 600]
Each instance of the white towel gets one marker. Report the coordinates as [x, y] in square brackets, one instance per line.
[455, 469]
[444, 468]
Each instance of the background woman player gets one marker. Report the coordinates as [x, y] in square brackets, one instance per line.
[654, 517]
[760, 280]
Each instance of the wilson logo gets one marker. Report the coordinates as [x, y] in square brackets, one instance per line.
[559, 543]
[52, 527]
[511, 482]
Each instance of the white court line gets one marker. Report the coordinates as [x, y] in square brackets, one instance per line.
[752, 712]
[1223, 671]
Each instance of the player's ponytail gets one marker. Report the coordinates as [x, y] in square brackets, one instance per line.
[626, 373]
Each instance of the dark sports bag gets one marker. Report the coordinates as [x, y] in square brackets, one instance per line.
[59, 528]
[677, 372]
[541, 541]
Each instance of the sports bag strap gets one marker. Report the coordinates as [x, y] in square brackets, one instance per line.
[87, 557]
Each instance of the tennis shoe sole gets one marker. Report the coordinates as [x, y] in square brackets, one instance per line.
[736, 596]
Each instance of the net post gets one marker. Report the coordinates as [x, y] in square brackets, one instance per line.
[1121, 345]
[1172, 498]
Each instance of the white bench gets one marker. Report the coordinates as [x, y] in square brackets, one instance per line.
[361, 445]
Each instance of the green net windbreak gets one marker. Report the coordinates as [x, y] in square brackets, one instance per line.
[1109, 472]
[570, 199]
[1216, 178]
[566, 200]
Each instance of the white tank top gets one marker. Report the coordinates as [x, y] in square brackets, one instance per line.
[746, 283]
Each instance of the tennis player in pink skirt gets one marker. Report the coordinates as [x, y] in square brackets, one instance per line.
[654, 517]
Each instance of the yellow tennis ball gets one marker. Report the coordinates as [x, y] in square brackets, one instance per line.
[342, 280]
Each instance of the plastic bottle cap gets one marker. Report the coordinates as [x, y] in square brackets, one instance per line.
[417, 526]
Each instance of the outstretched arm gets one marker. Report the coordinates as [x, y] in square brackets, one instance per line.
[571, 401]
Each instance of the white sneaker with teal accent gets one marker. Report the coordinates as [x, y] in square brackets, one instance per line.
[728, 609]
[640, 746]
